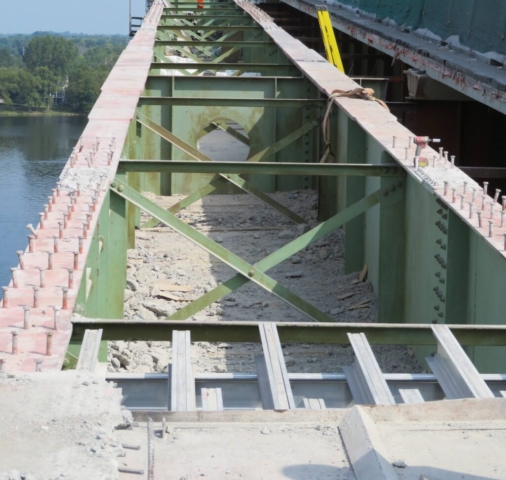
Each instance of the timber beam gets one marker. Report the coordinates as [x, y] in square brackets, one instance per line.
[232, 102]
[262, 168]
[326, 333]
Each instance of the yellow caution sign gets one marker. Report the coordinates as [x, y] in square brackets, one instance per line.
[329, 38]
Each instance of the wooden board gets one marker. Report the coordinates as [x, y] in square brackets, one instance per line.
[168, 286]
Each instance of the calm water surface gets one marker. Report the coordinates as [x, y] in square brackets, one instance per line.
[33, 151]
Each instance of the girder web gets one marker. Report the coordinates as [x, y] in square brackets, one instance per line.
[244, 268]
[193, 38]
[223, 179]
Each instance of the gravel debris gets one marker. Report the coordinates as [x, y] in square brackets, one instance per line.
[252, 231]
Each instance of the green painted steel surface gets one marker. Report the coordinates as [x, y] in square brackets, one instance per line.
[263, 168]
[335, 333]
[425, 264]
[222, 180]
[279, 256]
[230, 102]
[220, 252]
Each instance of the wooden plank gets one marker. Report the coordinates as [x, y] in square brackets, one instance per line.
[272, 373]
[88, 357]
[168, 286]
[168, 296]
[411, 395]
[364, 377]
[263, 383]
[453, 369]
[314, 404]
[181, 373]
[212, 399]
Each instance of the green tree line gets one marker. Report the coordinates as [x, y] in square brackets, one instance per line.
[33, 68]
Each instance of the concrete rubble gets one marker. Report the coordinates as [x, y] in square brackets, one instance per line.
[252, 231]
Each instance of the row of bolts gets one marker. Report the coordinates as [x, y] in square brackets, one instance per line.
[462, 196]
[483, 204]
[62, 226]
[90, 159]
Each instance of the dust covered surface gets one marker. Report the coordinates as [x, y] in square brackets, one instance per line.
[165, 265]
[59, 425]
[244, 451]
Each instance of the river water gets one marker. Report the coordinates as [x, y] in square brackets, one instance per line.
[33, 151]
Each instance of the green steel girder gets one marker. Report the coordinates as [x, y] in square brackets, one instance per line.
[226, 54]
[166, 62]
[200, 45]
[279, 255]
[213, 43]
[233, 102]
[326, 333]
[266, 168]
[209, 10]
[231, 131]
[187, 54]
[220, 252]
[226, 28]
[205, 17]
[234, 179]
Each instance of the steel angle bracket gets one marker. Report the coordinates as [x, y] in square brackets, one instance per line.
[241, 266]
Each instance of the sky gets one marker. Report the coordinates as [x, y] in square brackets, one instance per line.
[75, 16]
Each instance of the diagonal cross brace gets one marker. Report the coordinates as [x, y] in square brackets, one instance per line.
[222, 179]
[279, 256]
[222, 125]
[237, 263]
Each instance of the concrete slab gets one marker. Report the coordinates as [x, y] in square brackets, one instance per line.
[59, 425]
[249, 451]
[447, 440]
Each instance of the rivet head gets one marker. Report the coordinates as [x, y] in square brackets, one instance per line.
[251, 273]
[120, 188]
[113, 184]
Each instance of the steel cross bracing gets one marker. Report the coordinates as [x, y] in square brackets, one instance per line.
[424, 253]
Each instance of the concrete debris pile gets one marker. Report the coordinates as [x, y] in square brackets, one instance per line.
[166, 272]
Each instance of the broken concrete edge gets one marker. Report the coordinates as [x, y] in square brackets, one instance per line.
[365, 449]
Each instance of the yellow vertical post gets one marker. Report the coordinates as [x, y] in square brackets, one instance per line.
[329, 38]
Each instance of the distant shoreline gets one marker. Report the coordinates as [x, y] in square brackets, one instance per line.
[13, 112]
